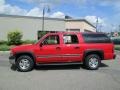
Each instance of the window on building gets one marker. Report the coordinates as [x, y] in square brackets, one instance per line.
[87, 30]
[73, 30]
[70, 39]
[51, 40]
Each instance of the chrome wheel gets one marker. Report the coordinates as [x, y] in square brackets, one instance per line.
[24, 64]
[93, 62]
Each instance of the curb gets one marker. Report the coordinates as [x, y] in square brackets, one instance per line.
[4, 51]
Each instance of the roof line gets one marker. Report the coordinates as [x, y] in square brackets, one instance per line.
[48, 18]
[80, 20]
[32, 17]
[90, 23]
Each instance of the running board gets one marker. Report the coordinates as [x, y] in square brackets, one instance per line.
[69, 63]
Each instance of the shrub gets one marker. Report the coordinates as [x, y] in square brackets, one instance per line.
[41, 34]
[4, 47]
[14, 38]
[29, 42]
[3, 42]
[117, 47]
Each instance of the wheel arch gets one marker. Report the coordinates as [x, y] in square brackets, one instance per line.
[100, 53]
[17, 55]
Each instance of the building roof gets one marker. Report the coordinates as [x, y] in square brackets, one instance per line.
[30, 17]
[47, 18]
[81, 20]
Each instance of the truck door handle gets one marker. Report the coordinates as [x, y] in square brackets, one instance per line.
[77, 47]
[58, 48]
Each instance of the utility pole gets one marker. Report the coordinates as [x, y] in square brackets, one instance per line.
[43, 16]
[97, 24]
[100, 28]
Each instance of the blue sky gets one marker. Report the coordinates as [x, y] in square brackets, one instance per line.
[107, 11]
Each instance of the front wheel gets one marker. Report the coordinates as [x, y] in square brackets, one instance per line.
[92, 62]
[25, 63]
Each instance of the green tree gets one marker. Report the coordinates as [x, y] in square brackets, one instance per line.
[14, 37]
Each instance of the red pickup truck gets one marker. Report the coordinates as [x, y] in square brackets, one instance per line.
[64, 48]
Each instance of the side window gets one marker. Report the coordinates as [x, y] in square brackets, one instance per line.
[51, 40]
[96, 38]
[70, 39]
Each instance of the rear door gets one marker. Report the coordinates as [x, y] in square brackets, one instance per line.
[71, 50]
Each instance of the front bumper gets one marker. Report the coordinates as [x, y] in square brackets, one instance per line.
[12, 59]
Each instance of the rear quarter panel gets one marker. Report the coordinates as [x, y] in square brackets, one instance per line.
[107, 48]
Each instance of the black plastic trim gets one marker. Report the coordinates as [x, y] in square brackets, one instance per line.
[93, 51]
[26, 52]
[114, 56]
[59, 63]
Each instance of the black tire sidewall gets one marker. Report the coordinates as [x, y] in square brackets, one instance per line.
[87, 61]
[25, 57]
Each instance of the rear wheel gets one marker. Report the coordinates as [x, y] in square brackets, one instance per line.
[92, 62]
[25, 63]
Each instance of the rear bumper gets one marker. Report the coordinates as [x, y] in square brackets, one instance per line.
[12, 59]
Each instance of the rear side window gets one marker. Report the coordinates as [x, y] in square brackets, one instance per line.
[70, 39]
[96, 38]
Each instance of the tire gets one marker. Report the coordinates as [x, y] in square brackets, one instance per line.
[92, 62]
[25, 63]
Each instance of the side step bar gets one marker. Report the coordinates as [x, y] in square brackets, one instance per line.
[69, 63]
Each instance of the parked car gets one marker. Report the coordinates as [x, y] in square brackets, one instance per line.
[64, 48]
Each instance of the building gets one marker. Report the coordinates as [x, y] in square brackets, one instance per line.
[31, 26]
[79, 25]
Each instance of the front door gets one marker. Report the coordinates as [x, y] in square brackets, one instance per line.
[50, 50]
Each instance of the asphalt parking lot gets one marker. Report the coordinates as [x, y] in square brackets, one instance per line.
[72, 77]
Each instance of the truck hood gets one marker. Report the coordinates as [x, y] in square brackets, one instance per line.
[26, 47]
